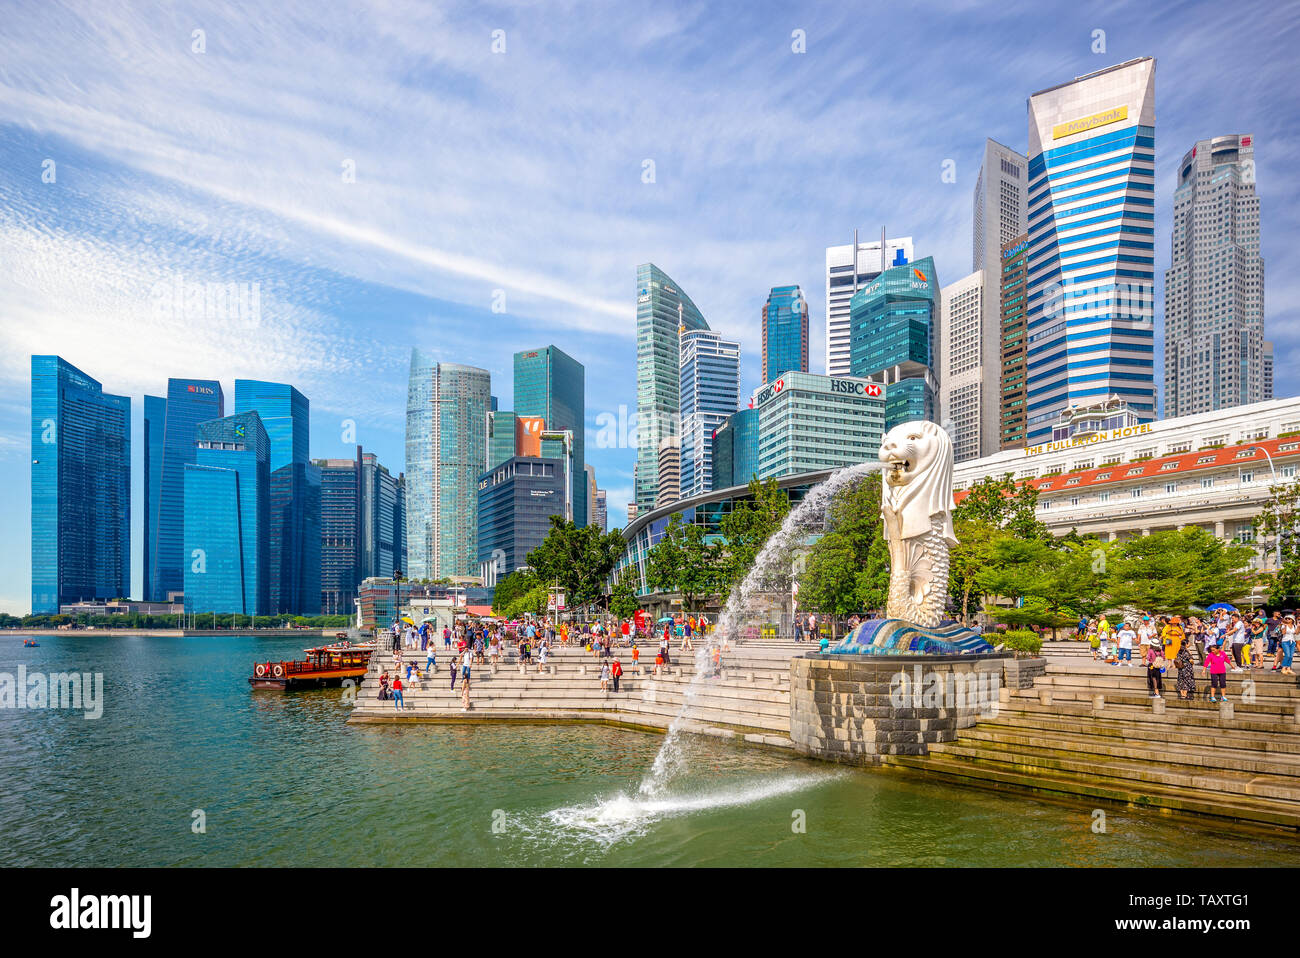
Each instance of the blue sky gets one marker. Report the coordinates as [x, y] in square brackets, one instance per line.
[522, 171]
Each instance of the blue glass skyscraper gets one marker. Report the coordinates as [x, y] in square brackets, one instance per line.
[552, 384]
[1090, 291]
[892, 339]
[295, 494]
[735, 450]
[227, 518]
[662, 309]
[81, 488]
[709, 392]
[169, 432]
[785, 332]
[446, 448]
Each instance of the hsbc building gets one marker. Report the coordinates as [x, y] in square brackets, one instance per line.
[808, 422]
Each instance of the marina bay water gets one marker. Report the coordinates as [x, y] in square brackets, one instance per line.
[280, 779]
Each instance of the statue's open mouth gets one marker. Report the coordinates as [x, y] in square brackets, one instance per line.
[898, 470]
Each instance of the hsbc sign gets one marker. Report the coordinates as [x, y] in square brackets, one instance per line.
[856, 388]
[842, 387]
[768, 392]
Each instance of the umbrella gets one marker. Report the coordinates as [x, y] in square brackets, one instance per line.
[1220, 605]
[407, 620]
[667, 618]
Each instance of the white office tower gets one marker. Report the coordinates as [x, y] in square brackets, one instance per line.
[1215, 353]
[966, 398]
[843, 280]
[1090, 291]
[710, 392]
[669, 474]
[1000, 214]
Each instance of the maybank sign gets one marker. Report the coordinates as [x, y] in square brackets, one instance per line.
[1083, 124]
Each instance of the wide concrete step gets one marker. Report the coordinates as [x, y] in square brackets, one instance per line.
[1206, 722]
[1272, 738]
[1275, 708]
[1103, 748]
[1147, 772]
[1094, 785]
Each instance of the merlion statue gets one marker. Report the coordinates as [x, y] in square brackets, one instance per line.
[916, 506]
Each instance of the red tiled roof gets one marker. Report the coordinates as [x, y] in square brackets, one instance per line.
[1179, 464]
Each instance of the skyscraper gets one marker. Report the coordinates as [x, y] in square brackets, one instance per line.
[662, 309]
[515, 503]
[964, 396]
[669, 479]
[600, 515]
[340, 533]
[295, 501]
[502, 424]
[169, 430]
[843, 281]
[81, 488]
[1014, 345]
[710, 392]
[551, 385]
[381, 516]
[1215, 353]
[735, 449]
[895, 339]
[1091, 233]
[589, 477]
[228, 518]
[446, 447]
[809, 422]
[785, 332]
[999, 216]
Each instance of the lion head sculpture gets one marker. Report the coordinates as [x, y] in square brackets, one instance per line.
[918, 480]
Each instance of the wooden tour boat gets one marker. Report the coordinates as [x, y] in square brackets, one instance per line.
[326, 666]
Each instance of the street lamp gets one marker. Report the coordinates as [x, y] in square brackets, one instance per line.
[1277, 558]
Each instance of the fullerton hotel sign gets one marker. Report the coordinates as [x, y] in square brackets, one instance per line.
[1107, 435]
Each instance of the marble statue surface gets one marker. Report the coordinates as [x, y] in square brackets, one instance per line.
[916, 507]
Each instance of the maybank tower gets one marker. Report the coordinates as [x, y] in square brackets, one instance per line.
[1091, 253]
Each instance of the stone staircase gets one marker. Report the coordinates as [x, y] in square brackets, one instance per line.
[1091, 730]
[1068, 648]
[749, 701]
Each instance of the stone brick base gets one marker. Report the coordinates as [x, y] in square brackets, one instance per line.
[855, 709]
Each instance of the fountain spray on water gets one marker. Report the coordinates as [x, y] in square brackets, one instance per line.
[772, 564]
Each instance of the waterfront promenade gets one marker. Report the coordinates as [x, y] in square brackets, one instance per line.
[749, 701]
[1084, 731]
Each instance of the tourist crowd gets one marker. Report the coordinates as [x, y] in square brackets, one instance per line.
[1223, 640]
[472, 642]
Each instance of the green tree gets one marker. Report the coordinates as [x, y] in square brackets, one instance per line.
[577, 559]
[1280, 521]
[532, 602]
[511, 587]
[683, 561]
[1006, 504]
[747, 528]
[623, 601]
[1174, 570]
[847, 569]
